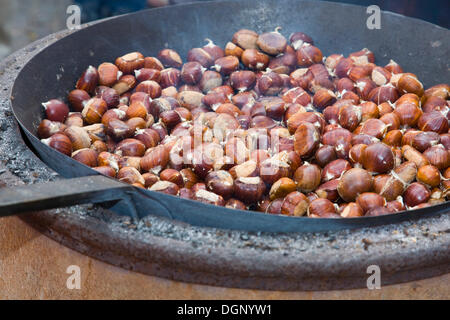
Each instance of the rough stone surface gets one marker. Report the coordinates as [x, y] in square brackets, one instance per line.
[155, 246]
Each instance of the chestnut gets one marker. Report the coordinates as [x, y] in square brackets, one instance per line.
[166, 187]
[118, 130]
[438, 156]
[220, 182]
[384, 93]
[242, 80]
[125, 84]
[210, 80]
[274, 206]
[281, 188]
[354, 182]
[109, 95]
[414, 156]
[173, 176]
[214, 50]
[272, 43]
[433, 121]
[130, 148]
[324, 98]
[189, 178]
[370, 200]
[87, 157]
[350, 116]
[106, 171]
[352, 210]
[108, 74]
[226, 65]
[233, 50]
[79, 137]
[307, 177]
[130, 62]
[270, 84]
[170, 58]
[296, 39]
[255, 60]
[249, 189]
[380, 76]
[416, 194]
[48, 128]
[328, 190]
[155, 159]
[170, 77]
[408, 83]
[274, 168]
[74, 119]
[56, 110]
[306, 139]
[88, 80]
[308, 55]
[192, 72]
[429, 175]
[335, 169]
[424, 140]
[295, 204]
[408, 113]
[245, 39]
[321, 208]
[59, 142]
[145, 74]
[378, 158]
[378, 211]
[201, 56]
[235, 204]
[77, 98]
[356, 154]
[324, 155]
[152, 88]
[185, 193]
[284, 64]
[393, 67]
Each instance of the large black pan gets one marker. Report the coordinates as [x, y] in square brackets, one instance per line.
[418, 46]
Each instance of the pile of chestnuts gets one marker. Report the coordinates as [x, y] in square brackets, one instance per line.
[266, 124]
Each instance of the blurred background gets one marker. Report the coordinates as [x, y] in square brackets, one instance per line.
[24, 21]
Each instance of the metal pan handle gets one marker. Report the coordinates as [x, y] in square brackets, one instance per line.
[61, 193]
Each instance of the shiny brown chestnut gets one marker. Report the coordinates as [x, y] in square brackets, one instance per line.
[416, 194]
[88, 80]
[249, 189]
[354, 182]
[56, 110]
[307, 177]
